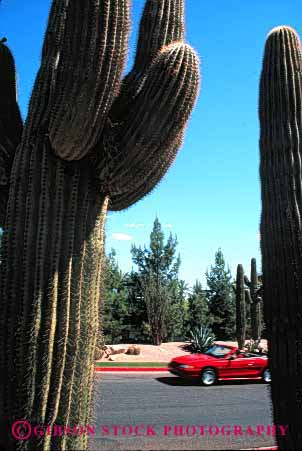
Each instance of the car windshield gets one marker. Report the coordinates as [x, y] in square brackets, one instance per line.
[218, 351]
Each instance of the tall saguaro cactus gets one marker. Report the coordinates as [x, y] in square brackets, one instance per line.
[240, 307]
[281, 230]
[91, 142]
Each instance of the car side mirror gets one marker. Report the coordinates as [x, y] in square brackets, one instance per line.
[231, 357]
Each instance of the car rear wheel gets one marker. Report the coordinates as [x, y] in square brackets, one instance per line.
[208, 377]
[266, 376]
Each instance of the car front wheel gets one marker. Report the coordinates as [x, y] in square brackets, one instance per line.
[208, 377]
[266, 376]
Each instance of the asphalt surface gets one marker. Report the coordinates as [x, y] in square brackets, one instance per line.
[145, 412]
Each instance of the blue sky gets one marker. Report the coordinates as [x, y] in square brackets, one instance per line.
[210, 198]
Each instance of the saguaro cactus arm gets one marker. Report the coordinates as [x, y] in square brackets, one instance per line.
[247, 281]
[248, 298]
[253, 284]
[162, 23]
[254, 299]
[10, 123]
[148, 118]
[146, 142]
[79, 77]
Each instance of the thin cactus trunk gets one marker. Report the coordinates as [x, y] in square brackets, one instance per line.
[256, 304]
[281, 231]
[91, 142]
[256, 320]
[240, 307]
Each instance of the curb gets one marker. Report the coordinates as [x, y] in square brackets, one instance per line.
[267, 448]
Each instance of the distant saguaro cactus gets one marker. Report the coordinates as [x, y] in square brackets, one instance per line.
[240, 307]
[91, 141]
[281, 229]
[254, 298]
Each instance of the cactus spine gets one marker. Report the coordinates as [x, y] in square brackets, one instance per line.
[281, 234]
[255, 300]
[91, 141]
[240, 307]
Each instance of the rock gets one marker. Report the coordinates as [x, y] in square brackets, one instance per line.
[111, 350]
[133, 350]
[119, 351]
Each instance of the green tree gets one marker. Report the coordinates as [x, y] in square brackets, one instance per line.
[138, 324]
[115, 297]
[177, 317]
[221, 299]
[157, 299]
[198, 308]
[157, 269]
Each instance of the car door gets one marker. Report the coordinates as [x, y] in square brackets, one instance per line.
[259, 364]
[240, 366]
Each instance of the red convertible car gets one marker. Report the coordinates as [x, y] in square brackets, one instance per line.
[221, 362]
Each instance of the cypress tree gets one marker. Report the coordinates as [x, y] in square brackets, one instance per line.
[220, 298]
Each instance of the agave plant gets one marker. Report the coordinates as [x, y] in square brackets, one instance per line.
[201, 339]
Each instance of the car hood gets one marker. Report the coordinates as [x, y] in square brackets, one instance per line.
[193, 358]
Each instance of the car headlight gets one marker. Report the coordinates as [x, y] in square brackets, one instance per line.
[186, 366]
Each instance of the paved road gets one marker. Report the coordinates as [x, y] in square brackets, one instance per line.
[164, 402]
